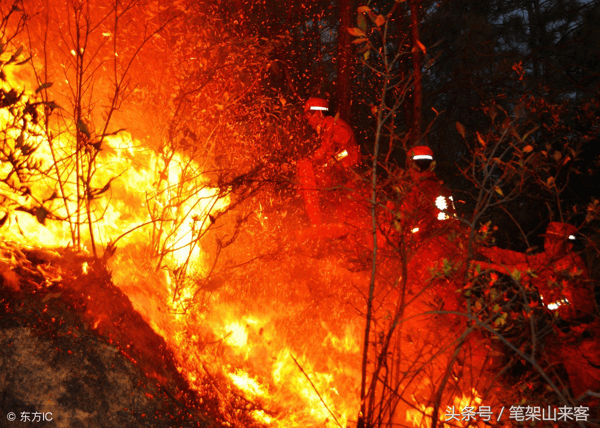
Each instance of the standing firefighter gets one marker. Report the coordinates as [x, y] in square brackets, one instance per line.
[330, 163]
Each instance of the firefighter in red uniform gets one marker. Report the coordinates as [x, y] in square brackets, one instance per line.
[424, 217]
[329, 165]
[562, 280]
[559, 274]
[425, 203]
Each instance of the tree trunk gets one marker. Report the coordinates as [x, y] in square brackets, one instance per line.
[416, 60]
[533, 38]
[344, 60]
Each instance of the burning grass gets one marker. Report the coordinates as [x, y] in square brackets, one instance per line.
[213, 299]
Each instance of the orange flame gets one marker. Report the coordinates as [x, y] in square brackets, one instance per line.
[166, 201]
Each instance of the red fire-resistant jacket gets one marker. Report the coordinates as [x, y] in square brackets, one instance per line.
[328, 165]
[338, 145]
[562, 281]
[425, 205]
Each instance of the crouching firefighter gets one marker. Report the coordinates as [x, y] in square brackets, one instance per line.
[424, 204]
[558, 273]
[562, 280]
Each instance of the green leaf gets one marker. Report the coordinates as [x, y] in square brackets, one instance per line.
[527, 134]
[367, 54]
[501, 320]
[361, 20]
